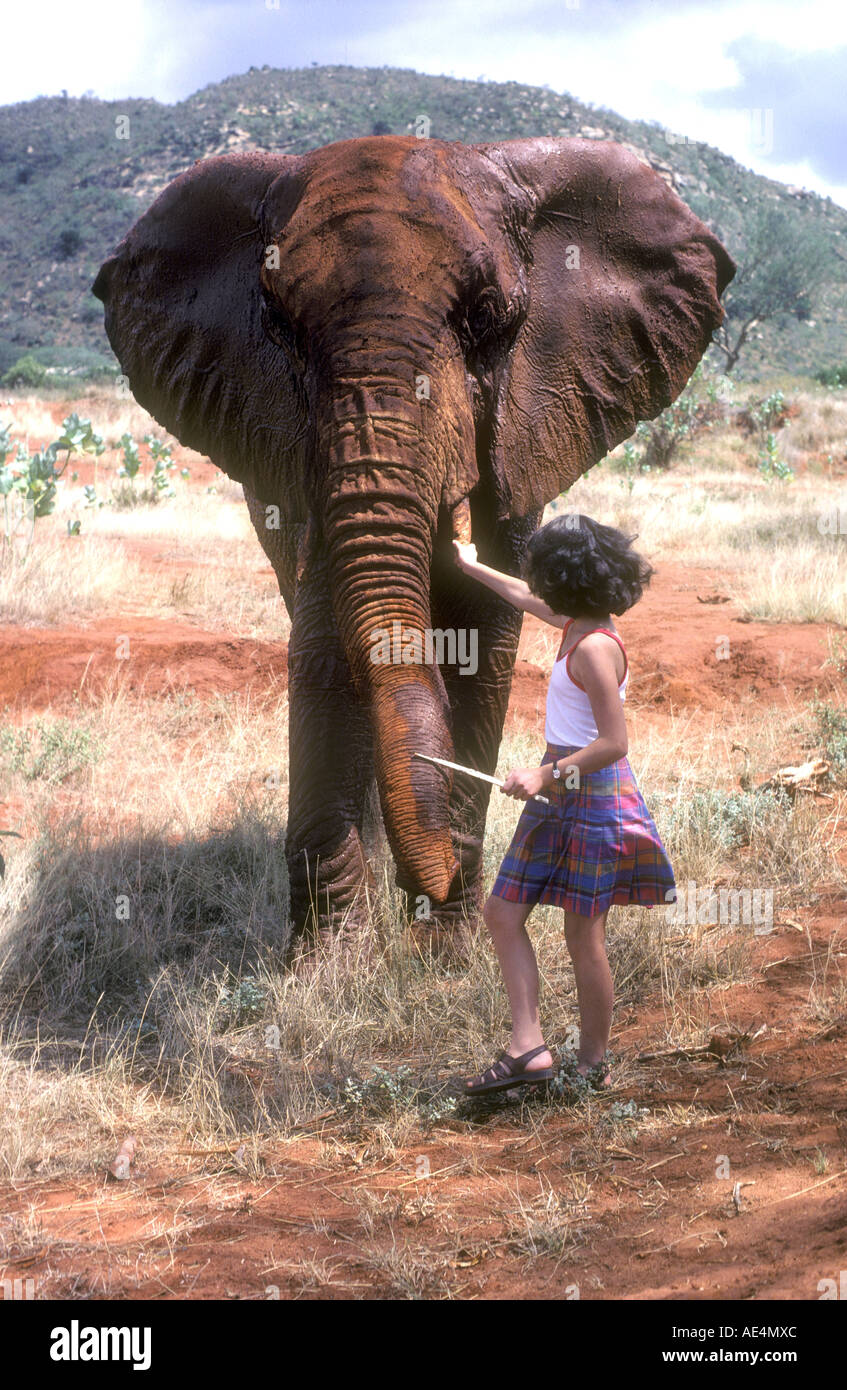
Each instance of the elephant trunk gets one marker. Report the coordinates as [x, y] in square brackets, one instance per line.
[379, 510]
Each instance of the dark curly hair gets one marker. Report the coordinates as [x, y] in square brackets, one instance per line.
[583, 569]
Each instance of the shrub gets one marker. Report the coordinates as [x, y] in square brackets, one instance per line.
[9, 354]
[771, 464]
[68, 243]
[660, 438]
[29, 483]
[50, 752]
[765, 416]
[25, 372]
[832, 376]
[832, 733]
[158, 483]
[699, 406]
[385, 1093]
[724, 819]
[240, 1003]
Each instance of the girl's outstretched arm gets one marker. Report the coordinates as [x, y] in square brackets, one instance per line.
[508, 586]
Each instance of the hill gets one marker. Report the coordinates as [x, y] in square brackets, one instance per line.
[71, 184]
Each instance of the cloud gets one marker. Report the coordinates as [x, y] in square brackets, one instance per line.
[701, 67]
[804, 94]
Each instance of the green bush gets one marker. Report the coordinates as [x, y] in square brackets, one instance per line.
[9, 354]
[656, 443]
[79, 363]
[832, 733]
[832, 376]
[660, 438]
[385, 1093]
[29, 483]
[240, 1003]
[765, 416]
[68, 243]
[25, 372]
[158, 484]
[725, 819]
[48, 752]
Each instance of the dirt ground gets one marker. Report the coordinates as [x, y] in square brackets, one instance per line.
[655, 1220]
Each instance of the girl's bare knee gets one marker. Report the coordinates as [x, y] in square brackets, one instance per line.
[496, 912]
[584, 944]
[490, 910]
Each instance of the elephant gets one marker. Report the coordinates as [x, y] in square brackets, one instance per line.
[392, 342]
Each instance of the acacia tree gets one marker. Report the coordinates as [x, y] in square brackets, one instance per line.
[782, 265]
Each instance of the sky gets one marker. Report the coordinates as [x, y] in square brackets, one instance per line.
[763, 80]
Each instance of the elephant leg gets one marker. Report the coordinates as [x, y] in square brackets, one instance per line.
[478, 705]
[330, 750]
[331, 770]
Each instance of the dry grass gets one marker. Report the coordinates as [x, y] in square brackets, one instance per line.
[742, 529]
[35, 418]
[806, 584]
[203, 564]
[768, 543]
[144, 914]
[146, 923]
[60, 578]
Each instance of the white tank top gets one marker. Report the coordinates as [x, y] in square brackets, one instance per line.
[570, 719]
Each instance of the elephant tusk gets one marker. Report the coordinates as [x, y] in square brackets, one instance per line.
[461, 519]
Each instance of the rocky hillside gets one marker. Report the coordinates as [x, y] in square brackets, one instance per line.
[74, 174]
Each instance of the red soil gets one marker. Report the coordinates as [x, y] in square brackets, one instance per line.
[671, 637]
[657, 1223]
[42, 667]
[659, 1220]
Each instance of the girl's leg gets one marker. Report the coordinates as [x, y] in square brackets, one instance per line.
[586, 939]
[507, 924]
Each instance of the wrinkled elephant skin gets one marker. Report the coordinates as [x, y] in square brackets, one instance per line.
[389, 342]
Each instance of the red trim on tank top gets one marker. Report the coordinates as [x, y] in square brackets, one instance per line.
[567, 654]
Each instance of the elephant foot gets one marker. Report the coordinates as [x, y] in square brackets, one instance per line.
[340, 940]
[444, 941]
[447, 933]
[332, 909]
[331, 954]
[350, 931]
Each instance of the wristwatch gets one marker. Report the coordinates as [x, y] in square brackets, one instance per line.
[557, 772]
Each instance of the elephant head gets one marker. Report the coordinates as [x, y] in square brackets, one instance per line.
[373, 333]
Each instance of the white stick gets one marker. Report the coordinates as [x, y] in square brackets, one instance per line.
[473, 772]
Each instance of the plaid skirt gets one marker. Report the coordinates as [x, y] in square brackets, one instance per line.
[592, 847]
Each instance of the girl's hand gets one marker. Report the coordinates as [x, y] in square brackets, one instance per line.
[465, 554]
[523, 783]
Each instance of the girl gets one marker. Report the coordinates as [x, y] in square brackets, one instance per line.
[596, 843]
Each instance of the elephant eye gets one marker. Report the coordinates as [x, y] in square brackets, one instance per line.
[485, 315]
[488, 323]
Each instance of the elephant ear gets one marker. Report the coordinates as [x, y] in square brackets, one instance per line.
[623, 284]
[187, 321]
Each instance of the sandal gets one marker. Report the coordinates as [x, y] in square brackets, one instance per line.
[509, 1071]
